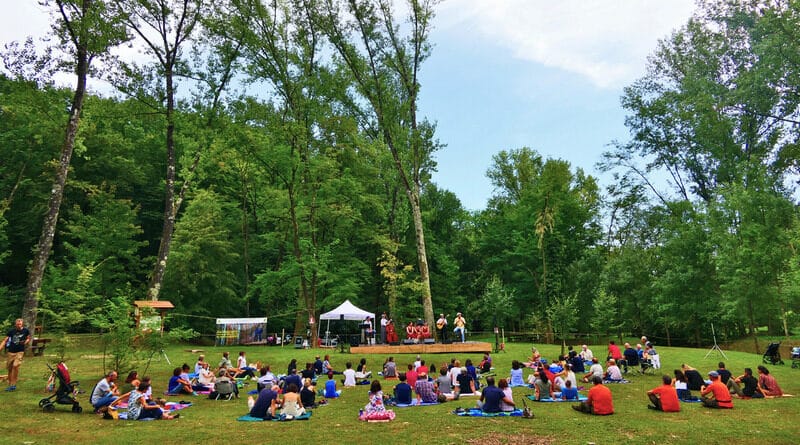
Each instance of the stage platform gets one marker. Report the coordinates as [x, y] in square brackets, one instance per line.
[435, 348]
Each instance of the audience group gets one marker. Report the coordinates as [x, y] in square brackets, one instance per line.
[418, 383]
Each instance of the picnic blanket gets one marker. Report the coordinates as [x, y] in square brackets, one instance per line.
[414, 402]
[383, 416]
[548, 399]
[170, 406]
[475, 412]
[249, 418]
[616, 381]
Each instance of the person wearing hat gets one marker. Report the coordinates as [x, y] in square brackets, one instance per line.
[441, 327]
[460, 324]
[716, 395]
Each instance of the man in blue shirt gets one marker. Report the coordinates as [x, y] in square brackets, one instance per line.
[15, 343]
[402, 391]
[491, 397]
[266, 403]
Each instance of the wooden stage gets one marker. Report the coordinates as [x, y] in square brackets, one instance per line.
[435, 348]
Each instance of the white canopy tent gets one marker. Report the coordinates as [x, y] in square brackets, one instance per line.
[345, 311]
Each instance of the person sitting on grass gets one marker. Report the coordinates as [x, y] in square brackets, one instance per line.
[179, 385]
[402, 391]
[507, 395]
[665, 397]
[443, 383]
[516, 374]
[466, 385]
[361, 370]
[201, 360]
[266, 379]
[226, 365]
[613, 374]
[196, 386]
[767, 383]
[139, 409]
[105, 392]
[131, 382]
[681, 384]
[349, 376]
[542, 387]
[390, 369]
[745, 386]
[375, 404]
[425, 390]
[715, 395]
[206, 378]
[694, 380]
[266, 404]
[291, 404]
[308, 395]
[596, 370]
[491, 397]
[244, 369]
[569, 392]
[599, 401]
[330, 387]
[411, 375]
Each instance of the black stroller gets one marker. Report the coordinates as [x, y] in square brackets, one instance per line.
[65, 393]
[772, 355]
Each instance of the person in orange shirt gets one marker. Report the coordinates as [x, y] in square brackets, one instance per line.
[599, 401]
[664, 397]
[716, 395]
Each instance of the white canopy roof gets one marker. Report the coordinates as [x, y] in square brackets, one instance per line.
[347, 311]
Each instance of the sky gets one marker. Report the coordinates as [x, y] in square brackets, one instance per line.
[507, 74]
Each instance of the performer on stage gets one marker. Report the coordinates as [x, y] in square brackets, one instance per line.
[441, 326]
[384, 322]
[460, 325]
[369, 332]
[424, 331]
[411, 333]
[391, 334]
[418, 332]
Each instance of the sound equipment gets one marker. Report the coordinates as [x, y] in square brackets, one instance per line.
[408, 341]
[447, 342]
[298, 342]
[354, 341]
[429, 341]
[394, 343]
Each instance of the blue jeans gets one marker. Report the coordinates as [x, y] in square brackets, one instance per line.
[460, 331]
[104, 401]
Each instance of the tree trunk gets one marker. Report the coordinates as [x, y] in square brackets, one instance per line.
[168, 228]
[45, 244]
[422, 256]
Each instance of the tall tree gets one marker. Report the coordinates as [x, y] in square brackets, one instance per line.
[165, 28]
[88, 31]
[385, 65]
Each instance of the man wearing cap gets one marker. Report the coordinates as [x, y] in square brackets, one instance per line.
[716, 395]
[441, 326]
[460, 324]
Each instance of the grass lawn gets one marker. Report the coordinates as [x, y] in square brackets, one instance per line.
[775, 421]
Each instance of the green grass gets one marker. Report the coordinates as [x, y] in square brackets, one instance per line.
[773, 421]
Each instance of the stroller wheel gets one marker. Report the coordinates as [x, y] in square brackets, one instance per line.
[49, 408]
[44, 402]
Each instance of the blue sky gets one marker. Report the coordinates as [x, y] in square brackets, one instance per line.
[505, 74]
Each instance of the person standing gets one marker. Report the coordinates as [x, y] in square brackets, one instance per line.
[441, 326]
[384, 322]
[460, 324]
[15, 342]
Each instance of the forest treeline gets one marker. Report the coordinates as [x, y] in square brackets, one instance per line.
[268, 159]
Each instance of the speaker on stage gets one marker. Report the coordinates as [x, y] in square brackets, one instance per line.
[355, 341]
[447, 342]
[395, 343]
[408, 341]
[429, 341]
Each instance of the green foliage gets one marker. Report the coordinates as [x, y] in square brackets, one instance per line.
[606, 318]
[495, 307]
[115, 321]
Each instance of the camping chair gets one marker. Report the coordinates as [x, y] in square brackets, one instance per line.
[772, 355]
[647, 367]
[224, 390]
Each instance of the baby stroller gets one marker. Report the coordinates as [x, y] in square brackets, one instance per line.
[796, 357]
[65, 393]
[772, 355]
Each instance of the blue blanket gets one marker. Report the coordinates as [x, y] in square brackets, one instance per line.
[475, 412]
[414, 402]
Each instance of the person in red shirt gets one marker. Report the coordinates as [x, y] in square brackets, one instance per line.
[613, 351]
[716, 395]
[665, 397]
[599, 401]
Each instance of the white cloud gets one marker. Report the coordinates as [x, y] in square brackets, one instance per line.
[605, 41]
